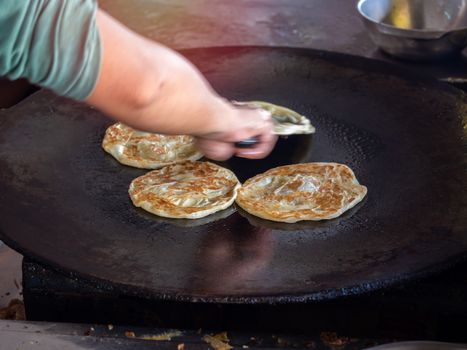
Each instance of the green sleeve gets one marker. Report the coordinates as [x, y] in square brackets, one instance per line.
[52, 43]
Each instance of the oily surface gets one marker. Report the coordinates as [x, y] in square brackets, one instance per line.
[74, 212]
[147, 150]
[187, 190]
[311, 191]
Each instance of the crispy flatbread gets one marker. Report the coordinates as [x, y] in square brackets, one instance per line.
[147, 150]
[310, 191]
[189, 190]
[285, 120]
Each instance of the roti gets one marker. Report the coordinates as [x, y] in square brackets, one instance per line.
[309, 191]
[188, 190]
[147, 150]
[285, 120]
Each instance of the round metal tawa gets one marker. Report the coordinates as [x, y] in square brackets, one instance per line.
[64, 201]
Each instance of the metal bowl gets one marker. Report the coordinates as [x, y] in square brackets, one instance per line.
[416, 29]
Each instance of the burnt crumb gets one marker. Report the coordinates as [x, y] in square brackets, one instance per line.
[130, 334]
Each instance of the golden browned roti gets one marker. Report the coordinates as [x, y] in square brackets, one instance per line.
[147, 150]
[310, 191]
[285, 120]
[189, 190]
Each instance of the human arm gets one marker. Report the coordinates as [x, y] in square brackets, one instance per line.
[78, 51]
[151, 87]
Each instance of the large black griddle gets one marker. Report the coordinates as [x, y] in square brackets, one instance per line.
[64, 201]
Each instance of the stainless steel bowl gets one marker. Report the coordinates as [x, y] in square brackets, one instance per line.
[416, 29]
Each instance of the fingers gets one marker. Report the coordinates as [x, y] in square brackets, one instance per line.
[261, 128]
[241, 124]
[247, 124]
[216, 150]
[267, 141]
[261, 150]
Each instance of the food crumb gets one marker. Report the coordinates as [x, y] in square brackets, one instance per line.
[14, 311]
[129, 334]
[162, 336]
[218, 341]
[181, 346]
[331, 339]
[245, 346]
[110, 327]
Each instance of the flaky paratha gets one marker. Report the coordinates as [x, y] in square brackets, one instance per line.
[189, 190]
[147, 150]
[310, 191]
[285, 120]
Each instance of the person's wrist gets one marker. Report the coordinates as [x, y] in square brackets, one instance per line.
[218, 120]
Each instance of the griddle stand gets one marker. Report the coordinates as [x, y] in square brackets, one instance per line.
[433, 309]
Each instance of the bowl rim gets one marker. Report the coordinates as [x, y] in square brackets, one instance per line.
[407, 33]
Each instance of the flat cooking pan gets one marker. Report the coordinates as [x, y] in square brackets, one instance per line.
[64, 201]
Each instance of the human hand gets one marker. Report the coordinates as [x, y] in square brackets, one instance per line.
[238, 124]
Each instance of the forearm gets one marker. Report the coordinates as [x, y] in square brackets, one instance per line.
[150, 87]
[79, 51]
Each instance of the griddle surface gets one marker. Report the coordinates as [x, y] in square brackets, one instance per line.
[64, 201]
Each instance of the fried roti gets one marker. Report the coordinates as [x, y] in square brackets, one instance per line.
[188, 190]
[310, 191]
[147, 150]
[285, 120]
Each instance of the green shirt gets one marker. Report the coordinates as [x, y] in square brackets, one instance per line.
[52, 43]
